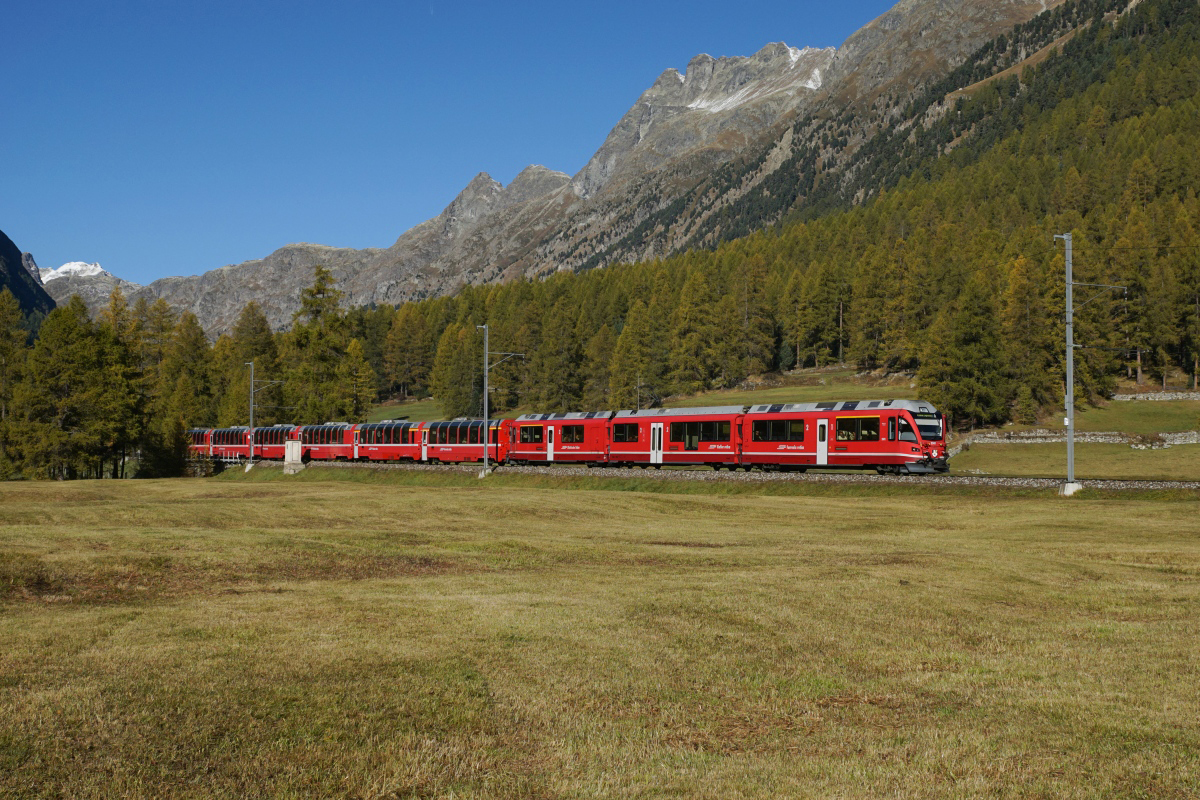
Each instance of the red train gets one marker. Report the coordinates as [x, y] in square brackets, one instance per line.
[896, 436]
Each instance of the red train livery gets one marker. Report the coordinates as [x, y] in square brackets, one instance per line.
[896, 436]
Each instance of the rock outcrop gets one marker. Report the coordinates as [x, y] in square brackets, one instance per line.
[16, 277]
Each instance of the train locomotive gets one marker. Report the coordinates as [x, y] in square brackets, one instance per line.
[899, 437]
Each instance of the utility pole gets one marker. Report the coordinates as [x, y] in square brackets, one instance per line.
[1071, 487]
[487, 422]
[253, 391]
[251, 365]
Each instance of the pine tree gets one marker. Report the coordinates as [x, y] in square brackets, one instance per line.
[358, 380]
[554, 382]
[631, 360]
[408, 350]
[692, 334]
[963, 371]
[597, 357]
[312, 351]
[1027, 326]
[456, 378]
[12, 359]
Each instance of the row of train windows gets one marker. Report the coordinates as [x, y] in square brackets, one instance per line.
[690, 434]
[567, 434]
[461, 434]
[386, 434]
[866, 429]
[270, 435]
[778, 430]
[322, 435]
[228, 437]
[197, 437]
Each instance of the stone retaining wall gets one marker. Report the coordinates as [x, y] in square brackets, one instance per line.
[1159, 441]
[1158, 396]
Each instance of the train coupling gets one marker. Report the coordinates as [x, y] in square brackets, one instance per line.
[927, 466]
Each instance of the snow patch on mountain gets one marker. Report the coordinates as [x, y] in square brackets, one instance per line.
[72, 269]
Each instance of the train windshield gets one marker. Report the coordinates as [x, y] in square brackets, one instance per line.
[930, 426]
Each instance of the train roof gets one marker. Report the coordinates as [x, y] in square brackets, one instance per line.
[564, 415]
[680, 412]
[454, 423]
[915, 406]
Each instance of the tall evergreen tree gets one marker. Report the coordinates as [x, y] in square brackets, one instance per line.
[963, 370]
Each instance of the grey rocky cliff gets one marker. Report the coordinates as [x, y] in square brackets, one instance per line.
[31, 266]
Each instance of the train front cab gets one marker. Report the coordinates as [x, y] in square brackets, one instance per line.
[570, 438]
[896, 436]
[462, 440]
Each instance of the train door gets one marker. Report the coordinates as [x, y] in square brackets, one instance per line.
[549, 442]
[356, 445]
[425, 444]
[656, 442]
[822, 441]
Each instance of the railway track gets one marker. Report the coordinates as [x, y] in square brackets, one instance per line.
[757, 476]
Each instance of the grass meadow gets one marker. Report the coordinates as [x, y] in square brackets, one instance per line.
[1092, 460]
[362, 634]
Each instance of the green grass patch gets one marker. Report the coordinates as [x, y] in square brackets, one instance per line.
[1140, 417]
[1098, 461]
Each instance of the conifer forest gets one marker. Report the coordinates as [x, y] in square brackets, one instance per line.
[949, 270]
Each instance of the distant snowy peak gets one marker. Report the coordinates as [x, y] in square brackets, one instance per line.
[73, 269]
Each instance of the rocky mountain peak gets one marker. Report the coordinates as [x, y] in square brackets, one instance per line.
[685, 111]
[31, 266]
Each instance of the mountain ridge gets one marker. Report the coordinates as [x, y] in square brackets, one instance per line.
[642, 194]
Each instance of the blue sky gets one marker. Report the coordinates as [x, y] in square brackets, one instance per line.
[161, 138]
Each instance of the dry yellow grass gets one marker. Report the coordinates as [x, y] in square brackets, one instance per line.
[335, 638]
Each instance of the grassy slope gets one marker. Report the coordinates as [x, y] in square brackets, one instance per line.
[282, 638]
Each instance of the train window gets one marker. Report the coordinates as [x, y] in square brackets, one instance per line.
[531, 434]
[891, 429]
[690, 433]
[473, 435]
[495, 436]
[930, 426]
[778, 430]
[625, 432]
[443, 435]
[906, 431]
[820, 432]
[571, 434]
[857, 429]
[714, 430]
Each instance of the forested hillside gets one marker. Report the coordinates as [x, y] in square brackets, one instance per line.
[952, 274]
